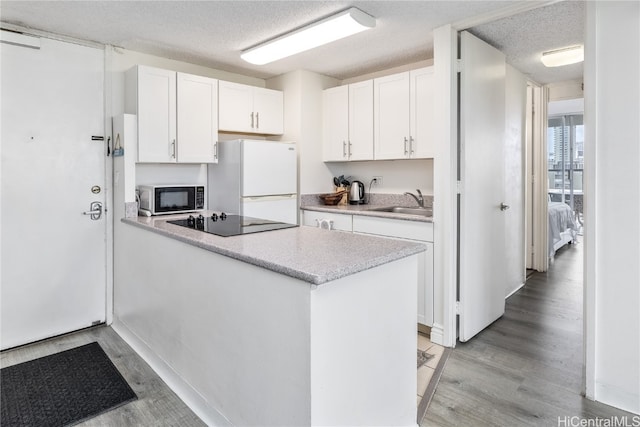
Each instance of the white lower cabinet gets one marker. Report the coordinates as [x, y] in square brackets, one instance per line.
[337, 221]
[395, 229]
[407, 230]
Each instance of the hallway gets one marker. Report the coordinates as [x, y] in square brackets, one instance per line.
[526, 368]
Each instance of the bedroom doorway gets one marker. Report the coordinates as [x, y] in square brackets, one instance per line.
[565, 162]
[555, 152]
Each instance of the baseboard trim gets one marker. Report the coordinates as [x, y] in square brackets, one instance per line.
[618, 398]
[424, 329]
[515, 290]
[184, 390]
[437, 334]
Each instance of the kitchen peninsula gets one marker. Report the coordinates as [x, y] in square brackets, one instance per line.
[300, 326]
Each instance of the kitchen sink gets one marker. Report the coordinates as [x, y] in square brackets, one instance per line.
[405, 210]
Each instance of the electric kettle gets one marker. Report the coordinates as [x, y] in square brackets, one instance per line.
[356, 194]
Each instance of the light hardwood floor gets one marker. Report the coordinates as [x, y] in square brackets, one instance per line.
[157, 405]
[526, 368]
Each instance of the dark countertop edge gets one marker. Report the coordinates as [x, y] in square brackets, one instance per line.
[365, 211]
[312, 279]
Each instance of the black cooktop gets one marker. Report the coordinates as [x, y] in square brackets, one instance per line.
[230, 225]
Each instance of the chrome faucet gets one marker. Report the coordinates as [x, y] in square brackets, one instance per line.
[418, 198]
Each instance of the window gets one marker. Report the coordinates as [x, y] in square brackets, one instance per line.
[565, 162]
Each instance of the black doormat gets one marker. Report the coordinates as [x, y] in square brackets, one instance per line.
[61, 389]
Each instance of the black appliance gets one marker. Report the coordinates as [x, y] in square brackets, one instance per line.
[230, 225]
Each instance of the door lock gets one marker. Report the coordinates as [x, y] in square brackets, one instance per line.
[95, 212]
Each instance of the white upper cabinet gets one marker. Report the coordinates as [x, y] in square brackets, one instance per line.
[197, 119]
[177, 115]
[335, 123]
[151, 95]
[250, 109]
[348, 122]
[422, 110]
[268, 105]
[360, 145]
[403, 115]
[391, 116]
[235, 107]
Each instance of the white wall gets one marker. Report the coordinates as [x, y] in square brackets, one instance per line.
[445, 195]
[566, 106]
[569, 89]
[398, 176]
[612, 203]
[303, 124]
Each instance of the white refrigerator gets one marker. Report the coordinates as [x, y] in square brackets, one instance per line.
[255, 178]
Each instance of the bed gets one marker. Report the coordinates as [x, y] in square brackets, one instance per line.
[563, 228]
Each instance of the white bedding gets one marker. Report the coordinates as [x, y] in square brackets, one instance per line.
[561, 220]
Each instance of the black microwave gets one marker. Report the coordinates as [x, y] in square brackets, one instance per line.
[170, 199]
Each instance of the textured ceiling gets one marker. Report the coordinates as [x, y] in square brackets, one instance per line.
[213, 33]
[523, 38]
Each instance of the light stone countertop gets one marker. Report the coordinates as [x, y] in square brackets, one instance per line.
[366, 210]
[310, 254]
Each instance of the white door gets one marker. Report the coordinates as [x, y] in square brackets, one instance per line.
[197, 123]
[53, 257]
[268, 168]
[514, 178]
[482, 220]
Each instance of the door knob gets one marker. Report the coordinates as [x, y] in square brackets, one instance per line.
[504, 207]
[95, 210]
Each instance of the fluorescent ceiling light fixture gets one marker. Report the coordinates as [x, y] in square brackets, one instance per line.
[18, 39]
[564, 56]
[344, 24]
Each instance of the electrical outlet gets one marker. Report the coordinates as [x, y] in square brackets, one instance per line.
[377, 181]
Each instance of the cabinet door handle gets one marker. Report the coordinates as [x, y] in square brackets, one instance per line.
[344, 149]
[252, 121]
[215, 150]
[411, 151]
[173, 149]
[405, 146]
[257, 120]
[350, 149]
